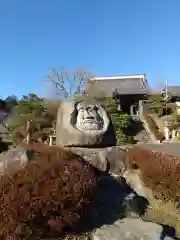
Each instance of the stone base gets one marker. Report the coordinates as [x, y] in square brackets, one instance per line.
[110, 159]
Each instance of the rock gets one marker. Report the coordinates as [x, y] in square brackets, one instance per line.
[110, 159]
[133, 178]
[116, 158]
[115, 214]
[134, 229]
[84, 123]
[14, 159]
[96, 157]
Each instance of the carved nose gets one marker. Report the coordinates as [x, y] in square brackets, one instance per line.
[87, 115]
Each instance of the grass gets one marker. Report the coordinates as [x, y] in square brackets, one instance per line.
[163, 213]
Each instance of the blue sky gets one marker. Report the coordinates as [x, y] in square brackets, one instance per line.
[109, 37]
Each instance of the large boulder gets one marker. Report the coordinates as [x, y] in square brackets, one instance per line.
[132, 229]
[14, 159]
[134, 179]
[109, 159]
[84, 123]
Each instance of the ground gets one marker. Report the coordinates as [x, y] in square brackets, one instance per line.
[168, 148]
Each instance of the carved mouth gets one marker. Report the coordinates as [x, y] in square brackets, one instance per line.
[89, 121]
[91, 125]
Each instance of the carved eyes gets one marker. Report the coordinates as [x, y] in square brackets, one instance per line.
[81, 109]
[95, 108]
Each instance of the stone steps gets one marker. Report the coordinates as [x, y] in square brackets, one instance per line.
[143, 136]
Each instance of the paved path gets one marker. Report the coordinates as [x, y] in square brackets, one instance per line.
[169, 148]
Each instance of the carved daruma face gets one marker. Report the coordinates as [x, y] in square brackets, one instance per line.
[89, 117]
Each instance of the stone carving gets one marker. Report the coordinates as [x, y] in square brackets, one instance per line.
[110, 159]
[84, 123]
[89, 117]
[85, 128]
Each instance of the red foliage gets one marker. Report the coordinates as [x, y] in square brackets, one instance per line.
[160, 171]
[47, 196]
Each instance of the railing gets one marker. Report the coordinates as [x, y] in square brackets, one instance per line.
[149, 123]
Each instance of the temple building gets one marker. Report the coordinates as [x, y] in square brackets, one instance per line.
[128, 90]
[172, 92]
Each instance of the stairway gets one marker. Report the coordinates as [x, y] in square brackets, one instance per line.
[143, 137]
[140, 133]
[149, 137]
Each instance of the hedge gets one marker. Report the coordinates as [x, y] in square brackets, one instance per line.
[47, 197]
[122, 122]
[160, 171]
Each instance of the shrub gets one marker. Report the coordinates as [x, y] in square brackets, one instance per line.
[160, 172]
[155, 103]
[47, 197]
[121, 121]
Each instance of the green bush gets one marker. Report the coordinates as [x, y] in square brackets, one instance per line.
[155, 103]
[41, 112]
[121, 121]
[47, 197]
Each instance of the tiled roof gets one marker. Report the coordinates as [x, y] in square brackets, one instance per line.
[174, 90]
[121, 86]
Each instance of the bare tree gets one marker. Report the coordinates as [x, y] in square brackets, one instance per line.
[68, 82]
